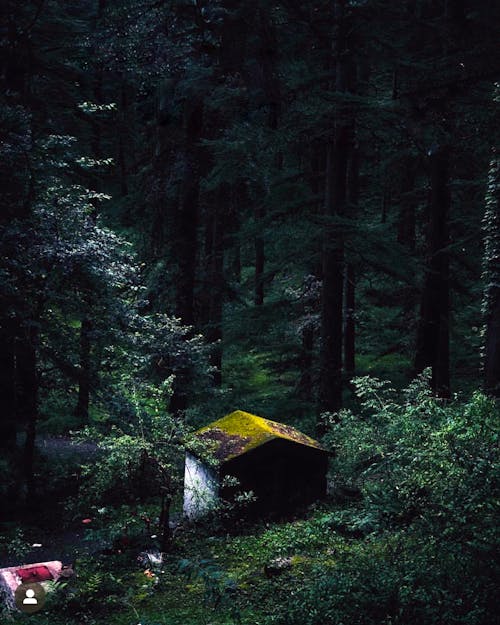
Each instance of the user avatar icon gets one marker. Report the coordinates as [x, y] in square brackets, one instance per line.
[30, 598]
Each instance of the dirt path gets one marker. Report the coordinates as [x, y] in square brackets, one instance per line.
[64, 447]
[56, 543]
[65, 546]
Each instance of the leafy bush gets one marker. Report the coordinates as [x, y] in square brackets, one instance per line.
[419, 459]
[13, 541]
[428, 473]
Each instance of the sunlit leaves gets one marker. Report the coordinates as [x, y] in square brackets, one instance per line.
[92, 107]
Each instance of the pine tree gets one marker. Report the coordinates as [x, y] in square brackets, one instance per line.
[491, 277]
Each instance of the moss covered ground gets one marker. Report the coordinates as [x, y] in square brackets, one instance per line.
[211, 577]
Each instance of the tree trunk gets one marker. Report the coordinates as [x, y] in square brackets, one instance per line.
[122, 159]
[492, 346]
[330, 386]
[338, 151]
[270, 85]
[406, 220]
[97, 84]
[491, 300]
[27, 402]
[216, 282]
[306, 361]
[232, 54]
[203, 295]
[186, 239]
[166, 532]
[349, 324]
[386, 200]
[433, 331]
[8, 427]
[350, 282]
[233, 224]
[19, 382]
[455, 12]
[187, 216]
[259, 214]
[82, 406]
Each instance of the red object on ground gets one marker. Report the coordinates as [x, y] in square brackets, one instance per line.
[86, 521]
[35, 574]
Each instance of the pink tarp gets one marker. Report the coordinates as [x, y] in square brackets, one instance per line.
[34, 574]
[11, 577]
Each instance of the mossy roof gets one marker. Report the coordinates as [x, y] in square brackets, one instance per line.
[240, 432]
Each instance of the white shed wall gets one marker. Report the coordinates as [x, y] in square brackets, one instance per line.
[201, 488]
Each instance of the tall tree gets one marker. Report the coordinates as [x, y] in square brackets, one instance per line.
[338, 151]
[223, 210]
[433, 333]
[350, 275]
[18, 330]
[85, 372]
[186, 219]
[267, 59]
[491, 273]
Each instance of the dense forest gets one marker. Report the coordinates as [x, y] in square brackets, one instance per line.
[289, 208]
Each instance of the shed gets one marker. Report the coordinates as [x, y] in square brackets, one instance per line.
[283, 467]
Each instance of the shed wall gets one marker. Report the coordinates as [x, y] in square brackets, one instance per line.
[201, 488]
[281, 474]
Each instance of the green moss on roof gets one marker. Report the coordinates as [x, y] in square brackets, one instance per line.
[239, 432]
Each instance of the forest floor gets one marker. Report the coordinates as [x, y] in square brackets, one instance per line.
[401, 553]
[212, 577]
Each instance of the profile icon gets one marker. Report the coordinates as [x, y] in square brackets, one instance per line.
[29, 598]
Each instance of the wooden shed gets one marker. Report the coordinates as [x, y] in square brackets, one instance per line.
[283, 467]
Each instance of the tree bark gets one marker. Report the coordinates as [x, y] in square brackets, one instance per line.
[8, 427]
[27, 401]
[350, 324]
[259, 214]
[433, 331]
[406, 220]
[491, 301]
[216, 283]
[350, 281]
[186, 238]
[187, 215]
[166, 532]
[19, 382]
[492, 347]
[306, 362]
[330, 387]
[84, 377]
[97, 84]
[233, 224]
[82, 406]
[122, 158]
[338, 150]
[270, 85]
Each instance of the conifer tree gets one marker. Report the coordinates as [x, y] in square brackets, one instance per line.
[491, 277]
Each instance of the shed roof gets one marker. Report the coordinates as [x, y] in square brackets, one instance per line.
[239, 432]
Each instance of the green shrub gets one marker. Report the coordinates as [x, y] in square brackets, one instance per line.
[428, 473]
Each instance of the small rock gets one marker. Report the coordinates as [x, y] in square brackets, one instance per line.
[277, 566]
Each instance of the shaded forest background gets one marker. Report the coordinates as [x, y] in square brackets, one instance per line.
[289, 208]
[246, 202]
